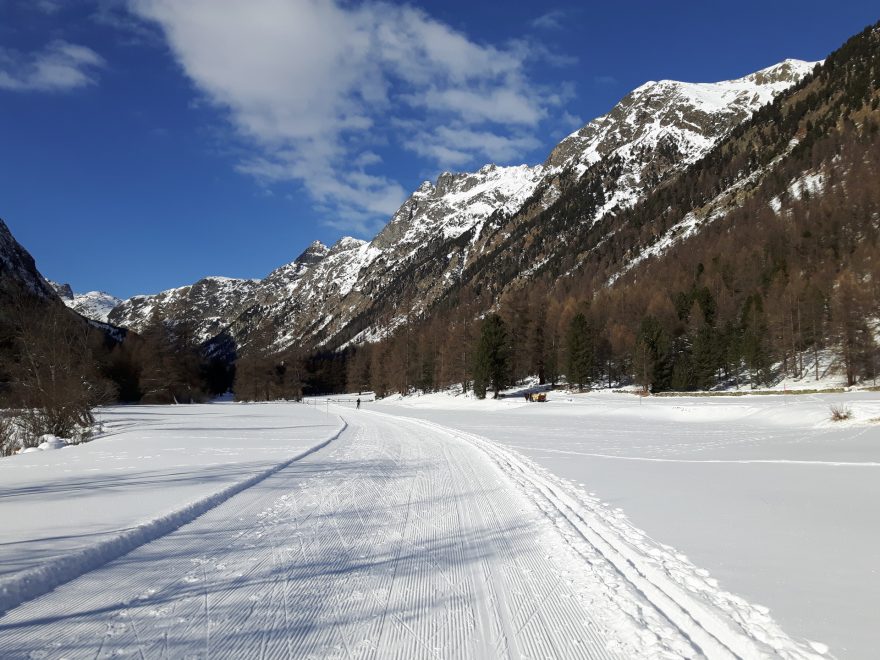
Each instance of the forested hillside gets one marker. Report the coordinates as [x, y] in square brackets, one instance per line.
[652, 262]
[740, 270]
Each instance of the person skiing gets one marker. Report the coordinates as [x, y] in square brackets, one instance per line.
[358, 403]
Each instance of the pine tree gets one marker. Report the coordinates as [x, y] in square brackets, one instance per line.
[651, 365]
[580, 351]
[491, 361]
[753, 341]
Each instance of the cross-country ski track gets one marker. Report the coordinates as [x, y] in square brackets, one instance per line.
[398, 539]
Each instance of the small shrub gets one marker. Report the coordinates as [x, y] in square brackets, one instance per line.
[8, 442]
[840, 412]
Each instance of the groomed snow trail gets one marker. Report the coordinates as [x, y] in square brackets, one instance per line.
[400, 539]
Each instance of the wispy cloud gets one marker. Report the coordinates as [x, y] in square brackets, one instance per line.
[60, 66]
[130, 30]
[454, 147]
[315, 85]
[552, 20]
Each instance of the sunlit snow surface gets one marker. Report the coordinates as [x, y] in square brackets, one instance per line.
[313, 531]
[765, 492]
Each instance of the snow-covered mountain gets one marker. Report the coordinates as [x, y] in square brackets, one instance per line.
[95, 305]
[670, 121]
[209, 304]
[692, 116]
[457, 227]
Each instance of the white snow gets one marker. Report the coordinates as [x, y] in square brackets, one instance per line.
[270, 532]
[157, 467]
[95, 305]
[50, 442]
[764, 491]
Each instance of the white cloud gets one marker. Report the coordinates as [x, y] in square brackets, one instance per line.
[129, 30]
[315, 85]
[552, 20]
[453, 147]
[501, 105]
[60, 66]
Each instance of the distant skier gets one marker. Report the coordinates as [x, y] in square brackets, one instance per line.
[358, 403]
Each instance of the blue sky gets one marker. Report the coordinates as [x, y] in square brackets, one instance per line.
[148, 143]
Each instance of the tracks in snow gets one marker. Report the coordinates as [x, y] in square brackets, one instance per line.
[21, 587]
[718, 624]
[401, 539]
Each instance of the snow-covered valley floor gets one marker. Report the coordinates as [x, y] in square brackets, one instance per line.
[282, 530]
[776, 501]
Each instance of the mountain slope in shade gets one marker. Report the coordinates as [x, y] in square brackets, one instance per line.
[464, 223]
[18, 271]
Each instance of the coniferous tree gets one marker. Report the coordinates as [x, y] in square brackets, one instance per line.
[580, 351]
[651, 356]
[491, 360]
[753, 341]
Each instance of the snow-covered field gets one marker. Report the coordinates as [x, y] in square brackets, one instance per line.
[775, 500]
[157, 467]
[270, 530]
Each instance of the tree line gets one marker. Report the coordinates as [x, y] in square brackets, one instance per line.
[778, 282]
[786, 277]
[56, 366]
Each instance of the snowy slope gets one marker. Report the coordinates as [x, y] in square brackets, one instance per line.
[682, 120]
[95, 305]
[356, 290]
[691, 115]
[457, 202]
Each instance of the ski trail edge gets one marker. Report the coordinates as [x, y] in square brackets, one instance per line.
[38, 581]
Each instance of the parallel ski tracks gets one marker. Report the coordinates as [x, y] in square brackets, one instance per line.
[401, 539]
[713, 633]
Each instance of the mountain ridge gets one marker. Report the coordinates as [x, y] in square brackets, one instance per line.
[446, 226]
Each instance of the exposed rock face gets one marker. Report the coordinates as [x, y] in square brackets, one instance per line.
[64, 291]
[210, 303]
[312, 254]
[18, 271]
[447, 231]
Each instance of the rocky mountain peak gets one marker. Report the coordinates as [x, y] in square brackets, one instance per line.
[346, 243]
[787, 72]
[694, 115]
[208, 303]
[64, 291]
[312, 254]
